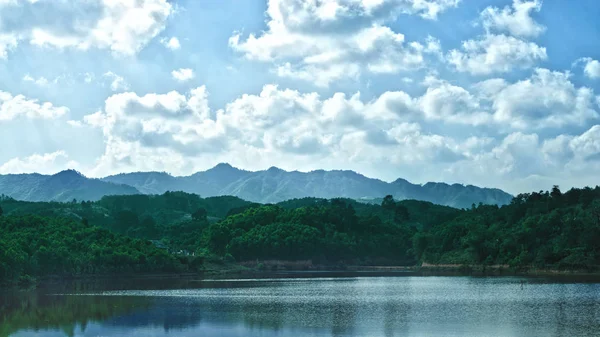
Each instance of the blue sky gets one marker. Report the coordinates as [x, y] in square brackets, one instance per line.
[487, 92]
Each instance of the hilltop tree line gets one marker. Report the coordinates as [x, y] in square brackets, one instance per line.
[541, 229]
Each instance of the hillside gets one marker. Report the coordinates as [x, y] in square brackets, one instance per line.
[39, 246]
[63, 186]
[541, 229]
[269, 186]
[276, 185]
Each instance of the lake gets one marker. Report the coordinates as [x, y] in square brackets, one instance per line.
[335, 306]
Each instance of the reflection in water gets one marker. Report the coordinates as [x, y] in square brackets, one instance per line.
[40, 312]
[382, 306]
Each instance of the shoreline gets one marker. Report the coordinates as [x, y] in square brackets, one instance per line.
[282, 271]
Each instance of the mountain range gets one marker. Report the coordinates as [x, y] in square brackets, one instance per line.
[63, 186]
[268, 186]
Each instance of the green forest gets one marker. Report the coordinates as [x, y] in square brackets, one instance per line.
[178, 232]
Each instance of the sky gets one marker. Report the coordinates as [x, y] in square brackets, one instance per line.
[494, 93]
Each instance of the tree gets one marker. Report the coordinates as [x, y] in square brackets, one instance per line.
[1, 211]
[556, 193]
[199, 215]
[388, 202]
[401, 214]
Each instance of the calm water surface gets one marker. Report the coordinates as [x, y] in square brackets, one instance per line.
[349, 306]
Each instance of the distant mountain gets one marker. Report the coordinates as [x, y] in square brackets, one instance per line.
[268, 186]
[63, 186]
[275, 185]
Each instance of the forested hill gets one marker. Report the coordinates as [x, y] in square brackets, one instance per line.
[276, 185]
[63, 186]
[541, 229]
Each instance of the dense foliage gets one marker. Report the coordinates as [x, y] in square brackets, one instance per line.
[325, 230]
[541, 229]
[39, 246]
[168, 217]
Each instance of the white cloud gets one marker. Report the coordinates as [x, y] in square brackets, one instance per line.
[48, 163]
[323, 42]
[547, 99]
[183, 74]
[172, 43]
[123, 27]
[495, 54]
[12, 107]
[41, 81]
[283, 123]
[591, 67]
[75, 124]
[276, 126]
[117, 83]
[454, 104]
[516, 20]
[180, 133]
[523, 162]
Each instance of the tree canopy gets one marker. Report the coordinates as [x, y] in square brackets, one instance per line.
[124, 233]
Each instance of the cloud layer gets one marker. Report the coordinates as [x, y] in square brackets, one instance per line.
[123, 27]
[334, 84]
[327, 41]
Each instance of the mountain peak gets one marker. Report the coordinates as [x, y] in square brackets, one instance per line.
[271, 185]
[69, 173]
[402, 181]
[223, 165]
[274, 169]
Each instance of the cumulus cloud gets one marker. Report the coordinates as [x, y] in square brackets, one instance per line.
[505, 46]
[117, 83]
[276, 125]
[12, 107]
[515, 20]
[172, 43]
[495, 54]
[525, 161]
[183, 74]
[123, 27]
[591, 67]
[47, 163]
[326, 41]
[450, 103]
[546, 99]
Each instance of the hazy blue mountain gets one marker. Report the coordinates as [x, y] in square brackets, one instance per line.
[268, 186]
[63, 186]
[275, 185]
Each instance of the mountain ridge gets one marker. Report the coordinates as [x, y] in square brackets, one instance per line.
[264, 186]
[275, 185]
[62, 186]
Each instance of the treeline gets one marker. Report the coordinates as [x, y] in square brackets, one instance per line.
[175, 218]
[541, 229]
[35, 246]
[325, 230]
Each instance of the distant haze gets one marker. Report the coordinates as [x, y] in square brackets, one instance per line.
[268, 186]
